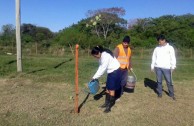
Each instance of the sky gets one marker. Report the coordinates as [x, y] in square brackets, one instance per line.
[59, 14]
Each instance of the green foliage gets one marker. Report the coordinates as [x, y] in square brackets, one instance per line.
[7, 36]
[33, 34]
[178, 30]
[106, 27]
[70, 36]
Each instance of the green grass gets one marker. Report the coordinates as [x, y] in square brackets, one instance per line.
[61, 69]
[43, 95]
[48, 69]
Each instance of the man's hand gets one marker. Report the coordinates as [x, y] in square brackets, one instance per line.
[131, 69]
[152, 70]
[172, 70]
[94, 79]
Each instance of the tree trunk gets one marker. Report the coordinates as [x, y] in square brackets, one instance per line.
[97, 32]
[72, 51]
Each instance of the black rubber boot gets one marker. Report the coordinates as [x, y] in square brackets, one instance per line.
[106, 101]
[110, 104]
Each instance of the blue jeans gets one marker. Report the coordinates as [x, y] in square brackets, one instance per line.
[167, 75]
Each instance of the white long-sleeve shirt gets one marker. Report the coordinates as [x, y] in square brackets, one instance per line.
[106, 63]
[164, 57]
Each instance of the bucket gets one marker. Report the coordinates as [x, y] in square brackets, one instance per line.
[93, 86]
[131, 80]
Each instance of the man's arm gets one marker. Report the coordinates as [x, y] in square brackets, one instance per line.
[153, 60]
[116, 52]
[130, 64]
[173, 58]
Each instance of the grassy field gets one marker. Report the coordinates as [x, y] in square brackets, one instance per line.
[43, 95]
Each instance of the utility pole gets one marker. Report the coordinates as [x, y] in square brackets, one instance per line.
[18, 37]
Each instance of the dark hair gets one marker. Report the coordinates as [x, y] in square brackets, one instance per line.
[99, 49]
[161, 37]
[126, 39]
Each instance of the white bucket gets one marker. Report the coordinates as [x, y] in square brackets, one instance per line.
[131, 80]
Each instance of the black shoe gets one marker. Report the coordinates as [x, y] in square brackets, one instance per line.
[159, 96]
[106, 101]
[110, 104]
[107, 110]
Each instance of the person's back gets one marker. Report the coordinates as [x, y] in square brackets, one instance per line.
[107, 63]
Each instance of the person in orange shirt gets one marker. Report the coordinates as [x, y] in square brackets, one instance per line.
[123, 54]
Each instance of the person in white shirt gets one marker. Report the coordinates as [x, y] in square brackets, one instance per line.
[108, 63]
[164, 63]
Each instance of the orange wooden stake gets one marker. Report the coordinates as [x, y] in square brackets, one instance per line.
[76, 78]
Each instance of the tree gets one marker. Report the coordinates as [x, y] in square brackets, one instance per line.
[103, 20]
[32, 34]
[8, 35]
[28, 33]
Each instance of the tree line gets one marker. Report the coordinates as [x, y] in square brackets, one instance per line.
[106, 27]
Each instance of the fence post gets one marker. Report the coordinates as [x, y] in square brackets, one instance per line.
[76, 77]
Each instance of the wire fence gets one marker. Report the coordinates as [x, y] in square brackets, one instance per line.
[64, 51]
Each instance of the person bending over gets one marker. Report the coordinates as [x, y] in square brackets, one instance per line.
[108, 63]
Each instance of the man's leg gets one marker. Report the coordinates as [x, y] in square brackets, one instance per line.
[124, 79]
[168, 78]
[159, 81]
